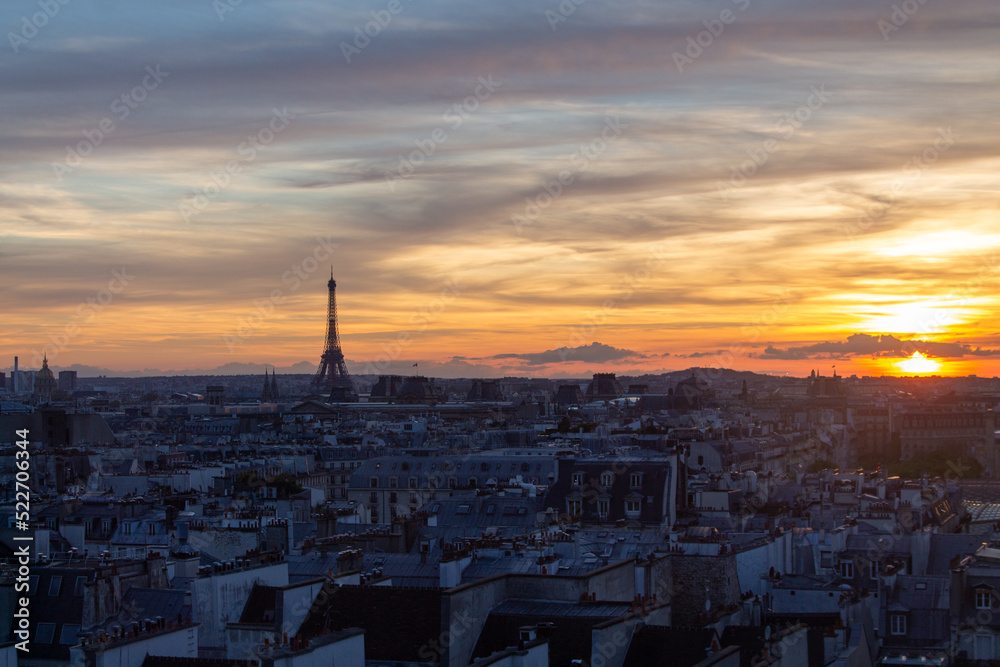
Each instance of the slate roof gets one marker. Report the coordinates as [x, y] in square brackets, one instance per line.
[496, 467]
[56, 602]
[946, 547]
[399, 623]
[652, 646]
[927, 601]
[140, 603]
[570, 637]
[553, 609]
[483, 569]
[405, 569]
[165, 661]
[655, 470]
[513, 512]
[259, 605]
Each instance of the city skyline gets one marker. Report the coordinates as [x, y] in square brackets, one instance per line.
[544, 189]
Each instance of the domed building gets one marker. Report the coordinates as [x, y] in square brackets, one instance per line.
[45, 381]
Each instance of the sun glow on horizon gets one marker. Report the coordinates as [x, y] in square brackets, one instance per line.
[918, 364]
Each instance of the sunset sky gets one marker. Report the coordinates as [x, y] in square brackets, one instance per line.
[773, 186]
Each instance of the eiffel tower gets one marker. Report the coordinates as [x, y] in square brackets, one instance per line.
[332, 377]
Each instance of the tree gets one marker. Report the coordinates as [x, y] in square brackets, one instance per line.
[821, 464]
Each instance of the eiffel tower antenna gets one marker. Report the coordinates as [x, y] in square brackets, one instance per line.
[332, 377]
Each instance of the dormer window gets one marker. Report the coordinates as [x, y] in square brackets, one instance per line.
[984, 597]
[603, 507]
[897, 624]
[635, 480]
[573, 507]
[607, 479]
[577, 480]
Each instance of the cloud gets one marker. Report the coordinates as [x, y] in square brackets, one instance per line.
[593, 353]
[658, 183]
[884, 345]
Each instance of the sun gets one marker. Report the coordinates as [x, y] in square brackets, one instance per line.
[918, 364]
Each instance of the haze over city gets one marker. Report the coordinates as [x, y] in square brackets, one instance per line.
[514, 189]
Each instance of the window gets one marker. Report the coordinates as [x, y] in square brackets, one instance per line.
[413, 482]
[491, 509]
[413, 499]
[602, 508]
[392, 497]
[373, 482]
[373, 498]
[984, 598]
[635, 480]
[78, 586]
[633, 506]
[44, 633]
[578, 479]
[463, 509]
[876, 568]
[67, 635]
[847, 569]
[897, 624]
[55, 583]
[573, 507]
[607, 479]
[393, 483]
[984, 647]
[452, 482]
